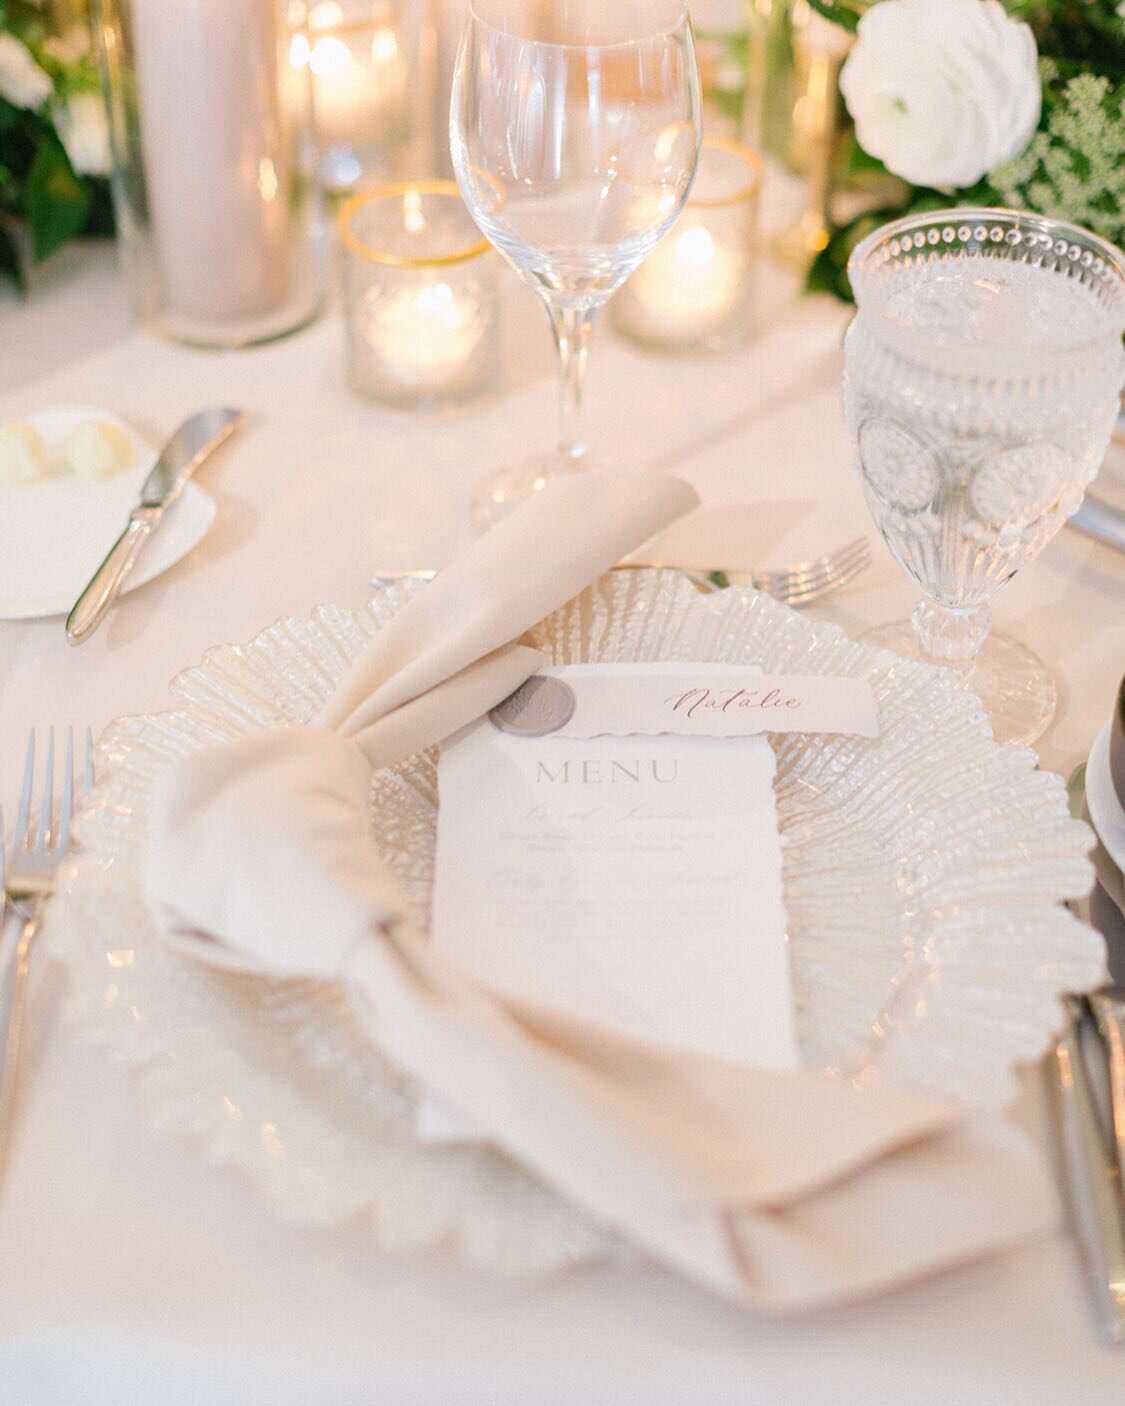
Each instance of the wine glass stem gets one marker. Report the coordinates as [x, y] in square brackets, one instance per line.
[951, 636]
[572, 328]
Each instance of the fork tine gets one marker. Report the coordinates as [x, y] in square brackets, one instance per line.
[828, 565]
[801, 595]
[802, 591]
[66, 806]
[23, 814]
[88, 770]
[46, 805]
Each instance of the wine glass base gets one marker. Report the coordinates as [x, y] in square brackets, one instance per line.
[1015, 686]
[501, 492]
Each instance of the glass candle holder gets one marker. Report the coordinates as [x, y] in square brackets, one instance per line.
[420, 296]
[696, 287]
[819, 50]
[357, 55]
[219, 220]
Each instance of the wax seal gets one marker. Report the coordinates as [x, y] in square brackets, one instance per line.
[539, 706]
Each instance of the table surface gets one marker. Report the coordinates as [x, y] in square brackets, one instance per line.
[135, 1271]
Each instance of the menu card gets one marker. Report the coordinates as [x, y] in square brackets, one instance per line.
[629, 881]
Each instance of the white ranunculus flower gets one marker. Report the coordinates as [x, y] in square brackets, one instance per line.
[941, 91]
[83, 128]
[22, 82]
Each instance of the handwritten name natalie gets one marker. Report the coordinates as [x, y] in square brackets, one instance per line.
[710, 700]
[724, 699]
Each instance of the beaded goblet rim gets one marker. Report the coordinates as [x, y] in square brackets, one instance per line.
[1033, 239]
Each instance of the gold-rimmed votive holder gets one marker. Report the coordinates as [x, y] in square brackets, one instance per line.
[421, 304]
[695, 290]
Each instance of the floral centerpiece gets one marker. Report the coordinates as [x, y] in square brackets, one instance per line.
[978, 102]
[54, 138]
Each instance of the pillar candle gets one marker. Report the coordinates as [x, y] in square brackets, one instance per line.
[215, 149]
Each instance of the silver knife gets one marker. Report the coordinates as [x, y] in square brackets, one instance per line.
[181, 456]
[1102, 521]
[1092, 1174]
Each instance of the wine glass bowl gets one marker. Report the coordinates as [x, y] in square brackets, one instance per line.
[574, 132]
[982, 374]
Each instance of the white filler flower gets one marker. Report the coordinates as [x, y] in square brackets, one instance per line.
[941, 91]
[22, 82]
[84, 130]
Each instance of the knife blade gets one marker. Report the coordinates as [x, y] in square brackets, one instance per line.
[1101, 521]
[196, 438]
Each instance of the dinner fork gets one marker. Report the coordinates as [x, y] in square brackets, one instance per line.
[807, 580]
[38, 848]
[794, 585]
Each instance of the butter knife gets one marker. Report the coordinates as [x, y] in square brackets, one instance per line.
[1092, 1174]
[196, 438]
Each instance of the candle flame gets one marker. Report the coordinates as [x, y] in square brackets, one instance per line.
[326, 15]
[695, 246]
[413, 217]
[384, 46]
[431, 300]
[330, 57]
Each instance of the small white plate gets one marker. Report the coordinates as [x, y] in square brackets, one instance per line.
[55, 533]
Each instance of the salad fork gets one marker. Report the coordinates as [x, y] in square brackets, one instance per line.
[38, 848]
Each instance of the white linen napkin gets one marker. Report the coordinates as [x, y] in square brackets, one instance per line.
[778, 1190]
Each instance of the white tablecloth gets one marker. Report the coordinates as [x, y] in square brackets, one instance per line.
[130, 1270]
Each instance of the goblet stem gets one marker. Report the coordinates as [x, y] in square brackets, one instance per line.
[572, 328]
[951, 636]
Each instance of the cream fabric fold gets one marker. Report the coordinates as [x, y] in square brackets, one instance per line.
[777, 1190]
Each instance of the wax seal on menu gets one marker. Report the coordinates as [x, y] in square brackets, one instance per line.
[538, 707]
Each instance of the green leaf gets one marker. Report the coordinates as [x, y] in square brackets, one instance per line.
[845, 15]
[100, 219]
[57, 201]
[10, 266]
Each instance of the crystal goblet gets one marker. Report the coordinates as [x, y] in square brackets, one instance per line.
[982, 374]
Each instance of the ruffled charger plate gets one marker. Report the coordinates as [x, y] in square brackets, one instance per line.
[924, 874]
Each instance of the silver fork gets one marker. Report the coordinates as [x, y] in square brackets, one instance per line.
[804, 582]
[794, 585]
[38, 848]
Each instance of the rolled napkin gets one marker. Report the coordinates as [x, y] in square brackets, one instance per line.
[776, 1189]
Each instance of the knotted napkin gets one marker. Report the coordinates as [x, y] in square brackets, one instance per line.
[776, 1189]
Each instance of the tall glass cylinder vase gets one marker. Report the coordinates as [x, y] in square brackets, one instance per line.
[218, 211]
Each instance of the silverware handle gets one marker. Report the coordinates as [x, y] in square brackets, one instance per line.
[1102, 522]
[106, 582]
[1109, 1014]
[1094, 1187]
[15, 961]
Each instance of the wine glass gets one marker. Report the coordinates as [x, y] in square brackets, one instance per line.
[982, 374]
[575, 130]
